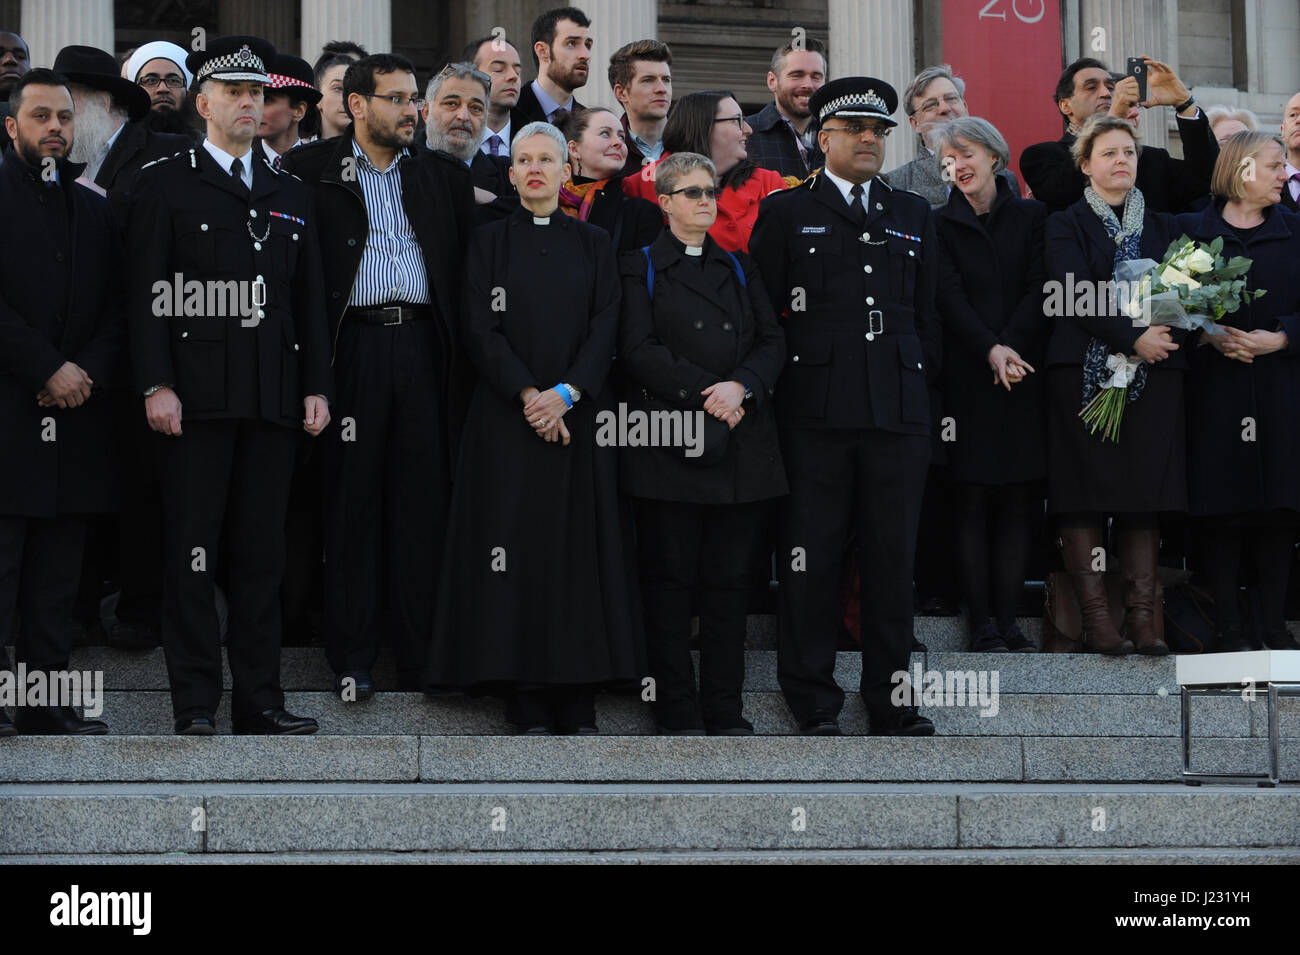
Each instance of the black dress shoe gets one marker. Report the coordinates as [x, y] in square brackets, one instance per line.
[55, 721]
[359, 684]
[6, 727]
[132, 636]
[275, 723]
[538, 730]
[908, 722]
[730, 726]
[820, 724]
[918, 646]
[196, 726]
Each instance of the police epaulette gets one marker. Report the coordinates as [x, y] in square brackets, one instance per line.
[162, 159]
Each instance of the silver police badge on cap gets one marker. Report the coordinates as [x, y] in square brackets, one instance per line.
[245, 55]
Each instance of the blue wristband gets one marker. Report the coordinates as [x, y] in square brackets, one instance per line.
[563, 393]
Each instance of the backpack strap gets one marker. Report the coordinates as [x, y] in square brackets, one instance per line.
[649, 272]
[735, 263]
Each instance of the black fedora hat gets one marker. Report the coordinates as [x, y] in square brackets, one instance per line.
[99, 70]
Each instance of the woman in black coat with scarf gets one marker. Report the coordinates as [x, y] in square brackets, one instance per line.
[1143, 473]
[699, 338]
[594, 193]
[990, 298]
[1243, 396]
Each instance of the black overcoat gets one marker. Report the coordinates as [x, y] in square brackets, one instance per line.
[1243, 438]
[700, 328]
[991, 293]
[630, 222]
[136, 146]
[60, 300]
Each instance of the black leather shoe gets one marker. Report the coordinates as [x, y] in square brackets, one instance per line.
[361, 687]
[55, 721]
[196, 726]
[908, 722]
[275, 723]
[731, 726]
[820, 724]
[918, 646]
[538, 730]
[1280, 640]
[6, 727]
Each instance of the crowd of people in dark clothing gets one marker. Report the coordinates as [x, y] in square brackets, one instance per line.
[523, 388]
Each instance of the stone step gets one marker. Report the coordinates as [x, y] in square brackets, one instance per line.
[583, 817]
[625, 759]
[149, 712]
[305, 668]
[1280, 855]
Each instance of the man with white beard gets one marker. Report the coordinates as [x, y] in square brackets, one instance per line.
[114, 141]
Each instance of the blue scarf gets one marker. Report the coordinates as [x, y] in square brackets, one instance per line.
[1128, 241]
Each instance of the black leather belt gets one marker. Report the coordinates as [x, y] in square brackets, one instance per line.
[390, 314]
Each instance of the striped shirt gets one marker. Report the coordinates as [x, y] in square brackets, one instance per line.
[392, 265]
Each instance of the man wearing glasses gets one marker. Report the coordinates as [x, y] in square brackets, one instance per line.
[394, 222]
[936, 97]
[849, 262]
[159, 67]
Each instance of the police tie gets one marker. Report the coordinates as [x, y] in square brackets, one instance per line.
[237, 171]
[859, 210]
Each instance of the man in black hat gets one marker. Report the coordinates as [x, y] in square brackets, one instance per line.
[228, 384]
[285, 101]
[60, 338]
[849, 262]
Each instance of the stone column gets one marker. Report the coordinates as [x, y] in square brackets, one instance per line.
[50, 25]
[613, 24]
[876, 39]
[370, 24]
[1132, 28]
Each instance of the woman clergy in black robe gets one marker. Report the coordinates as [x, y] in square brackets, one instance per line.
[1144, 473]
[537, 600]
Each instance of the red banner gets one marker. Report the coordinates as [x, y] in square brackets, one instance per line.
[1009, 54]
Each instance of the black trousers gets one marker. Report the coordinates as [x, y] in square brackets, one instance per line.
[867, 481]
[387, 492]
[302, 592]
[235, 473]
[40, 569]
[709, 549]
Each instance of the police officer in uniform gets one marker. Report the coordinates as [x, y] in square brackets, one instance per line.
[849, 262]
[231, 364]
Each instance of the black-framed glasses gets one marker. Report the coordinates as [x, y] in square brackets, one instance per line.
[695, 193]
[738, 120]
[398, 99]
[877, 130]
[152, 81]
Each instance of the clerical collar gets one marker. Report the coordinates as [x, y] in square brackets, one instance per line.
[693, 249]
[541, 220]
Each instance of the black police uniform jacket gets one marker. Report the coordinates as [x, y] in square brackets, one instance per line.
[699, 328]
[60, 300]
[861, 328]
[438, 198]
[191, 219]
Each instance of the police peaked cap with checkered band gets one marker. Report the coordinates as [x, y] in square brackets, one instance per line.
[855, 96]
[233, 59]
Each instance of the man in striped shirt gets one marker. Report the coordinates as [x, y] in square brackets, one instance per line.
[394, 222]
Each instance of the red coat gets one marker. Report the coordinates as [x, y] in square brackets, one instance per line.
[737, 208]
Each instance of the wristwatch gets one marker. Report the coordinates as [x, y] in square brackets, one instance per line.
[1182, 106]
[150, 392]
[574, 393]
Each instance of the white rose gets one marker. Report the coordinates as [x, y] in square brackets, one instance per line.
[1200, 261]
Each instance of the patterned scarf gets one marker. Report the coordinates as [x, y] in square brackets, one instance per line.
[1128, 240]
[576, 199]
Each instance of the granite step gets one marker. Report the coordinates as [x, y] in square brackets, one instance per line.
[583, 817]
[305, 668]
[605, 759]
[149, 712]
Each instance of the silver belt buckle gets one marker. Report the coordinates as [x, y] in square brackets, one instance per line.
[876, 322]
[398, 310]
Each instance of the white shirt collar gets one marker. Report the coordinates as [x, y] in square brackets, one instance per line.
[225, 161]
[845, 187]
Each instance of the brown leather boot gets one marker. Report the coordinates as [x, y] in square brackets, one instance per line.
[1139, 549]
[1099, 634]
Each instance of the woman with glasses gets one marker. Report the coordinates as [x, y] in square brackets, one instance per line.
[594, 194]
[538, 602]
[990, 296]
[712, 124]
[699, 337]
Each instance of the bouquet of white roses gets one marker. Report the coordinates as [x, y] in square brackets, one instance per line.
[1193, 287]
